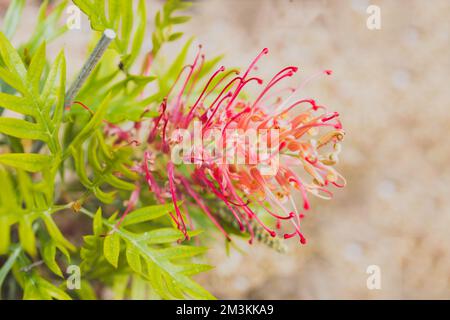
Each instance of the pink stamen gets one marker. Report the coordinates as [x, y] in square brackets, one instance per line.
[197, 199]
[178, 109]
[189, 116]
[226, 87]
[226, 75]
[179, 221]
[277, 78]
[290, 216]
[306, 205]
[246, 110]
[263, 52]
[271, 232]
[301, 86]
[130, 205]
[195, 78]
[156, 121]
[152, 185]
[208, 121]
[82, 105]
[222, 197]
[334, 115]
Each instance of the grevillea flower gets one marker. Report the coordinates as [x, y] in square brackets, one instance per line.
[304, 152]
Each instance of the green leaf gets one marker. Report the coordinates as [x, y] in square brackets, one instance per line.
[156, 279]
[63, 251]
[78, 157]
[8, 264]
[26, 235]
[39, 106]
[59, 107]
[86, 291]
[93, 155]
[49, 256]
[12, 17]
[22, 129]
[55, 233]
[58, 68]
[167, 279]
[140, 33]
[8, 196]
[11, 58]
[179, 19]
[165, 235]
[146, 214]
[47, 27]
[175, 36]
[105, 197]
[114, 10]
[5, 235]
[111, 248]
[97, 224]
[138, 288]
[181, 252]
[27, 161]
[119, 17]
[16, 104]
[31, 291]
[193, 269]
[13, 80]
[84, 6]
[133, 258]
[120, 286]
[35, 287]
[118, 183]
[164, 22]
[127, 22]
[37, 67]
[105, 162]
[52, 290]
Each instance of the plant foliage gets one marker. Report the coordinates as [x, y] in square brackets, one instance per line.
[79, 167]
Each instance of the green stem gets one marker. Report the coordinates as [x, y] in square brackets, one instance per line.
[17, 249]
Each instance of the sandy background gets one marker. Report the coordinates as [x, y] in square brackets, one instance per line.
[391, 89]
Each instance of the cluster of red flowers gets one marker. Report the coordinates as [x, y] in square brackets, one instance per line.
[308, 140]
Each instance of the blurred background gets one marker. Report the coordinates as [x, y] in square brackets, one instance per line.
[391, 87]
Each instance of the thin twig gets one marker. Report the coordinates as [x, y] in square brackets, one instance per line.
[31, 266]
[108, 36]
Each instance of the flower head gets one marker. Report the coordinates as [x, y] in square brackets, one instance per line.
[300, 148]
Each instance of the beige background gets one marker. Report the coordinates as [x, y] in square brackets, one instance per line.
[391, 88]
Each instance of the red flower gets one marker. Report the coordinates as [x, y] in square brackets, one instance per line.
[303, 135]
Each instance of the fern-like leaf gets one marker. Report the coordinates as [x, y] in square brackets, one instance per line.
[35, 204]
[34, 286]
[119, 16]
[164, 22]
[165, 268]
[106, 163]
[44, 107]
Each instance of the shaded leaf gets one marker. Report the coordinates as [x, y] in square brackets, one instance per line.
[18, 104]
[133, 258]
[26, 235]
[49, 257]
[27, 161]
[147, 214]
[22, 129]
[12, 17]
[111, 248]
